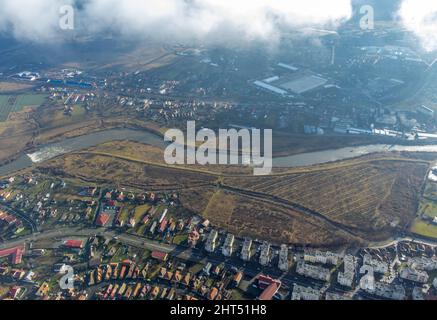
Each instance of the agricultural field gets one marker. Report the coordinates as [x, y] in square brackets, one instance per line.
[11, 104]
[13, 86]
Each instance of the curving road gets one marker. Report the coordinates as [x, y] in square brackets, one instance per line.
[32, 224]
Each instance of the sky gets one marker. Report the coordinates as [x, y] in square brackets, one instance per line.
[221, 21]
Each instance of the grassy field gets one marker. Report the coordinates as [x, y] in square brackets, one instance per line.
[30, 100]
[424, 228]
[140, 211]
[13, 86]
[180, 239]
[221, 207]
[428, 208]
[3, 291]
[10, 104]
[431, 191]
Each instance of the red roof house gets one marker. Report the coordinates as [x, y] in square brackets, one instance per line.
[158, 255]
[16, 254]
[102, 219]
[269, 292]
[163, 225]
[265, 281]
[74, 244]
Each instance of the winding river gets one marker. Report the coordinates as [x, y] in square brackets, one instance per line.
[92, 139]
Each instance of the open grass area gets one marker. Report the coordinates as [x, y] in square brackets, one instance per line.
[125, 213]
[428, 208]
[423, 228]
[220, 207]
[3, 291]
[10, 104]
[180, 239]
[196, 268]
[430, 191]
[6, 86]
[29, 100]
[140, 211]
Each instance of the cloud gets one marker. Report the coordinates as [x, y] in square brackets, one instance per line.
[246, 19]
[420, 17]
[222, 20]
[35, 20]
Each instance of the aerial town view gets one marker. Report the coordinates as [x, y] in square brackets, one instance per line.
[218, 150]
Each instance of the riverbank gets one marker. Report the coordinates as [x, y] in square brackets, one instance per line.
[151, 137]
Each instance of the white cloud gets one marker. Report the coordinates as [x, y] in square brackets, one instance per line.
[246, 19]
[180, 19]
[420, 17]
[30, 19]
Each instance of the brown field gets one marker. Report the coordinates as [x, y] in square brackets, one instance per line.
[221, 207]
[368, 197]
[14, 86]
[356, 201]
[245, 216]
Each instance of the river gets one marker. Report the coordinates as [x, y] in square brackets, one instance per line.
[50, 151]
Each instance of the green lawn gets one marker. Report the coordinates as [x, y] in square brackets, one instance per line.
[431, 191]
[196, 268]
[29, 100]
[3, 100]
[125, 213]
[424, 228]
[78, 111]
[180, 239]
[140, 211]
[3, 291]
[428, 208]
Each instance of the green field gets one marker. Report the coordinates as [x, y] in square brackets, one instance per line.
[431, 191]
[424, 228]
[428, 208]
[9, 105]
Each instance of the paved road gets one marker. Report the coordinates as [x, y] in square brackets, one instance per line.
[430, 243]
[183, 253]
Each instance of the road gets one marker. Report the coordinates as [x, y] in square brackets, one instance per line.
[407, 239]
[183, 253]
[33, 225]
